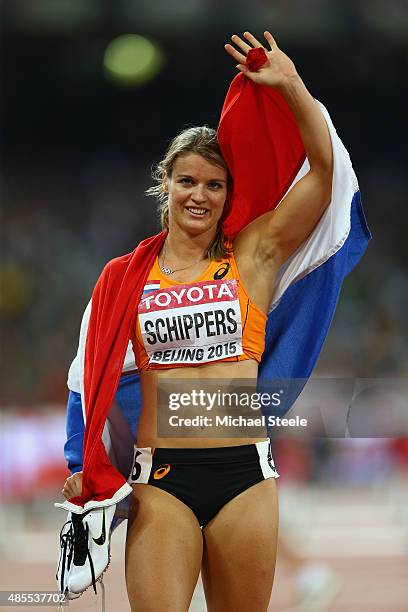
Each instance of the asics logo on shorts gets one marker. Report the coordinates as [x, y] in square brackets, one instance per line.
[161, 471]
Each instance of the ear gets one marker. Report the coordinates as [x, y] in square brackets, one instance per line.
[165, 183]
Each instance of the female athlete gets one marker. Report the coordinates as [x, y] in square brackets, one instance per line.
[210, 504]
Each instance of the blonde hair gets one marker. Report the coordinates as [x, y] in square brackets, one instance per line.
[203, 141]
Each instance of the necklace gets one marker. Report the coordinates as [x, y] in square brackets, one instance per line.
[169, 271]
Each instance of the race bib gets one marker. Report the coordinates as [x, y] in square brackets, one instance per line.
[191, 323]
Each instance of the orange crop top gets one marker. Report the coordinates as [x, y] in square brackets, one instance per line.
[187, 324]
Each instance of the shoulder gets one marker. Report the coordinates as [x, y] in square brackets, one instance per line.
[113, 271]
[118, 263]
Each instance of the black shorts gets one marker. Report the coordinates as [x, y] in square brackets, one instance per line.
[204, 479]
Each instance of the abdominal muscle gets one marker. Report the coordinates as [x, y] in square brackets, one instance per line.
[147, 435]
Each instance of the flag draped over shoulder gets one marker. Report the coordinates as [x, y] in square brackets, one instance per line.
[261, 144]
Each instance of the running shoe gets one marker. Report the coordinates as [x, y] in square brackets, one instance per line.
[91, 544]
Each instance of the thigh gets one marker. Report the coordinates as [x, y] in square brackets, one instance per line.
[163, 552]
[240, 551]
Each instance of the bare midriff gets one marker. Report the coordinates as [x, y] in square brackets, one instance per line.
[147, 435]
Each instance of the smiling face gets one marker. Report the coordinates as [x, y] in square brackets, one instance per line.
[197, 190]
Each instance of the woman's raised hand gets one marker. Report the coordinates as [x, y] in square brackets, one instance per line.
[73, 486]
[275, 72]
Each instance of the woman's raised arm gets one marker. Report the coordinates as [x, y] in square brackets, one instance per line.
[277, 234]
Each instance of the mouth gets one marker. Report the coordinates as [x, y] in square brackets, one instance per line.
[196, 211]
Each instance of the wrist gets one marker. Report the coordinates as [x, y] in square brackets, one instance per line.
[289, 84]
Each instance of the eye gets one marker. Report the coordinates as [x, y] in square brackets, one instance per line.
[215, 185]
[185, 181]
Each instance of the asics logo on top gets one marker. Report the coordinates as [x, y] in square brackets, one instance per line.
[161, 471]
[222, 271]
[102, 537]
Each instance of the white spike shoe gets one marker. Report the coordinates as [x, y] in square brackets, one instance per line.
[85, 543]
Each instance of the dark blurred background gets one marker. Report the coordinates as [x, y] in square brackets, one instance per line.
[91, 93]
[86, 111]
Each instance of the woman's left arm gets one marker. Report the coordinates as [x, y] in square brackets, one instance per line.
[274, 236]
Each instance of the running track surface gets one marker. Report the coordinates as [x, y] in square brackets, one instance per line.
[367, 585]
[361, 534]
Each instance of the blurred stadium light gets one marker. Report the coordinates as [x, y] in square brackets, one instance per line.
[131, 60]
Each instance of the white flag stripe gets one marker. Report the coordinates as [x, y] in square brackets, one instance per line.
[333, 228]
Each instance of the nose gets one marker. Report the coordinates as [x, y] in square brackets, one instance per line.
[198, 195]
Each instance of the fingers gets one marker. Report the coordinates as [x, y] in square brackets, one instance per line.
[238, 57]
[241, 43]
[242, 68]
[241, 57]
[72, 486]
[245, 48]
[67, 492]
[254, 41]
[271, 40]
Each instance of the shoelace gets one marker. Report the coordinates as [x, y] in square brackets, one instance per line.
[81, 550]
[80, 539]
[74, 546]
[66, 544]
